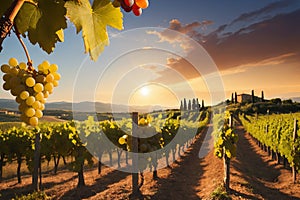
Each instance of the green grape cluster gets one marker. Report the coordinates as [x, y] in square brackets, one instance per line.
[148, 140]
[30, 87]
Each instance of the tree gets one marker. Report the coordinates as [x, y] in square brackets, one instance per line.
[184, 105]
[235, 97]
[194, 104]
[252, 96]
[262, 96]
[181, 105]
[190, 105]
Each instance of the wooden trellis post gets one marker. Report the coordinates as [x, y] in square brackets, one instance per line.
[135, 175]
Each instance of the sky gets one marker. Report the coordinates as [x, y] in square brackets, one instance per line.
[181, 49]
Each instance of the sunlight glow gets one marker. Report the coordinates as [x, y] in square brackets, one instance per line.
[145, 91]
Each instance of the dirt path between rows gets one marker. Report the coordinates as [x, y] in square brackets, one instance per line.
[253, 176]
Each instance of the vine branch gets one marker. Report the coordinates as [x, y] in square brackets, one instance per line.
[29, 61]
[6, 22]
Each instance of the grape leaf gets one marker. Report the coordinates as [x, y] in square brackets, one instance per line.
[44, 21]
[4, 6]
[93, 21]
[60, 35]
[27, 17]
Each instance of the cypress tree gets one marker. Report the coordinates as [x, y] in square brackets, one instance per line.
[184, 105]
[190, 105]
[235, 97]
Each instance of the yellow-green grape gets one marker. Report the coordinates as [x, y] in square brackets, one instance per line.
[42, 101]
[40, 68]
[14, 81]
[122, 141]
[13, 62]
[55, 83]
[38, 113]
[31, 91]
[20, 88]
[38, 87]
[33, 121]
[56, 76]
[48, 87]
[6, 77]
[39, 96]
[40, 78]
[6, 86]
[22, 73]
[14, 92]
[45, 65]
[46, 94]
[36, 105]
[22, 107]
[5, 68]
[22, 65]
[49, 78]
[18, 99]
[30, 82]
[53, 68]
[24, 95]
[42, 106]
[30, 112]
[30, 100]
[14, 71]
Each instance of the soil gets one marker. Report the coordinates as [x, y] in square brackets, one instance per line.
[253, 176]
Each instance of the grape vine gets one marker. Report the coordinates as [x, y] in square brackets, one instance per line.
[275, 132]
[31, 87]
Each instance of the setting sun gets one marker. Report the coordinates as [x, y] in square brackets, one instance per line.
[144, 91]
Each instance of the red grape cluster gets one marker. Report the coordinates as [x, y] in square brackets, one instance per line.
[136, 6]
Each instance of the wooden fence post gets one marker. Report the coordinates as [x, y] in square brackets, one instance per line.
[135, 175]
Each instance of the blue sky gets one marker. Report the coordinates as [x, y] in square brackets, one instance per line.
[236, 15]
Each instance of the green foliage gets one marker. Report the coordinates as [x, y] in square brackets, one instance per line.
[43, 22]
[70, 139]
[225, 137]
[276, 132]
[220, 194]
[33, 196]
[92, 21]
[166, 131]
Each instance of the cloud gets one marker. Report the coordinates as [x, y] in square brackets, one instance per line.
[267, 62]
[257, 42]
[272, 41]
[265, 10]
[176, 32]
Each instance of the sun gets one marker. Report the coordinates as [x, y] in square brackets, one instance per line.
[144, 91]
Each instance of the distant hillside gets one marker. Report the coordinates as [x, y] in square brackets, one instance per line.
[297, 99]
[85, 106]
[8, 104]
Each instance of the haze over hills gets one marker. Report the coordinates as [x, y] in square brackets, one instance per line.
[85, 106]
